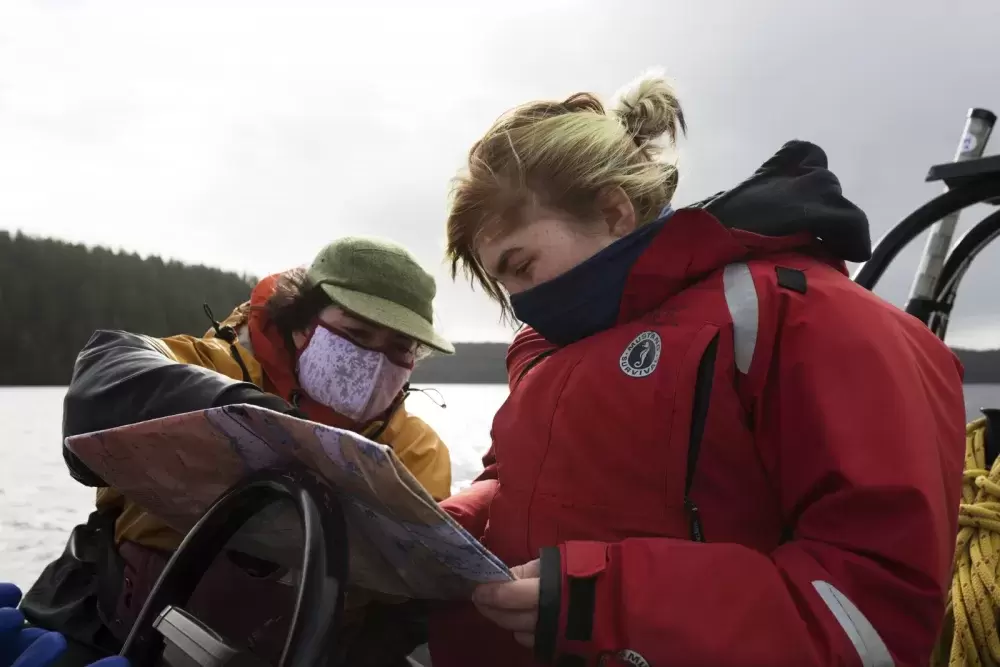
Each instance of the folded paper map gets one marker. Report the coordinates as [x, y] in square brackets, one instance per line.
[401, 542]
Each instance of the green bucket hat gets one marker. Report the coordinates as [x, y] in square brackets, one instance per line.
[382, 282]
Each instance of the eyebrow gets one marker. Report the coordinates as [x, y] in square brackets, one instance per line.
[352, 320]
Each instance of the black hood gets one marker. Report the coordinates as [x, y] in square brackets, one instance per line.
[794, 192]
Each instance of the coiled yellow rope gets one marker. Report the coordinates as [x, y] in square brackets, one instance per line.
[969, 636]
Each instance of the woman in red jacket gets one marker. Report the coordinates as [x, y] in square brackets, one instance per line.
[717, 450]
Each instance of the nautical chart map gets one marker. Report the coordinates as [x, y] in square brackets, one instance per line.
[401, 543]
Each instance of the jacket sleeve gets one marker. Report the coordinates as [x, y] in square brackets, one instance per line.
[470, 507]
[860, 424]
[422, 451]
[122, 378]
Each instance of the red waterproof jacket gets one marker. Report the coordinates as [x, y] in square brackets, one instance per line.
[760, 464]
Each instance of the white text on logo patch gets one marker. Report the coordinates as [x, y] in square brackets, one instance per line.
[641, 356]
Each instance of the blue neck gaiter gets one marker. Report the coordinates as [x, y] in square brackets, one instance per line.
[586, 299]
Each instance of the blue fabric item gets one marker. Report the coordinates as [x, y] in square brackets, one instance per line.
[15, 638]
[41, 652]
[22, 646]
[10, 595]
[585, 299]
[110, 661]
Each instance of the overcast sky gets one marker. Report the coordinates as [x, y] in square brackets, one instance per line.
[247, 135]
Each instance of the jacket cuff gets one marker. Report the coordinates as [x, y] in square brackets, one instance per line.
[246, 393]
[568, 583]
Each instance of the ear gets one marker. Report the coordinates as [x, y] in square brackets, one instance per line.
[617, 211]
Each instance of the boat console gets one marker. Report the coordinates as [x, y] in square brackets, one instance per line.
[166, 634]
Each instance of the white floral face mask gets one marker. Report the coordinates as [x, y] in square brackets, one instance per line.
[356, 382]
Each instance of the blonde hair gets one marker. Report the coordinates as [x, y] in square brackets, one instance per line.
[563, 155]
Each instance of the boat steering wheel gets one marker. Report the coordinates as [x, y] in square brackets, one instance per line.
[163, 627]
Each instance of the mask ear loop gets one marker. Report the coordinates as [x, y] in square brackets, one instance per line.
[439, 401]
[407, 390]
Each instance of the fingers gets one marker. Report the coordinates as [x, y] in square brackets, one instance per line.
[10, 595]
[26, 638]
[513, 605]
[11, 622]
[43, 651]
[515, 621]
[112, 661]
[531, 570]
[513, 595]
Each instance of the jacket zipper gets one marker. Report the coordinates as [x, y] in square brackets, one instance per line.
[699, 415]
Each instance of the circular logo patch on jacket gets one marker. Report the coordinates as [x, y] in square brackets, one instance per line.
[641, 356]
[626, 657]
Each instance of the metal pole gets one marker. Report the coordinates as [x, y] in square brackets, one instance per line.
[978, 126]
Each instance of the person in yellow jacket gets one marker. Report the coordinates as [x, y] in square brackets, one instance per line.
[335, 344]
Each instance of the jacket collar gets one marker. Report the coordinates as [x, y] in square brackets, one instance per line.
[690, 246]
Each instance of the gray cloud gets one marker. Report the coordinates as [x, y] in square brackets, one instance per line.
[264, 132]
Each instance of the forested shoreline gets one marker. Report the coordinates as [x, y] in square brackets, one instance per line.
[54, 294]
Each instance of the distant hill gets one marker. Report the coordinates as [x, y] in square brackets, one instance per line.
[981, 366]
[472, 363]
[53, 295]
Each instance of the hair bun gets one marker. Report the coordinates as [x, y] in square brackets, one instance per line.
[648, 108]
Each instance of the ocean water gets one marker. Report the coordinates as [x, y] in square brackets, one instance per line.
[40, 503]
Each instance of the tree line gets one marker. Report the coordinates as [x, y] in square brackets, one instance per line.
[54, 295]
